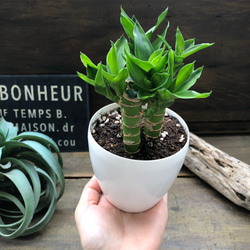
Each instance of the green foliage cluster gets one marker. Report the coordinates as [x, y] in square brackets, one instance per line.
[29, 174]
[139, 71]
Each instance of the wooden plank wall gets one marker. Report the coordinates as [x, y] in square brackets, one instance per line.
[45, 37]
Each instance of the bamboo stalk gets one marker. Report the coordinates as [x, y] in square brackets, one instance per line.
[228, 175]
[153, 124]
[131, 123]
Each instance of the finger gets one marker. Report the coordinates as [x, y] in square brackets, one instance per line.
[89, 197]
[91, 193]
[165, 199]
[93, 184]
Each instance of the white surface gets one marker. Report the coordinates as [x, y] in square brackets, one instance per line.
[134, 185]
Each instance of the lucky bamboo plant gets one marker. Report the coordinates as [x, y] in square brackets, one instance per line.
[144, 77]
[29, 174]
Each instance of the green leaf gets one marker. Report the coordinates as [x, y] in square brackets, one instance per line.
[184, 74]
[165, 98]
[195, 48]
[5, 165]
[188, 44]
[108, 76]
[137, 74]
[51, 161]
[24, 189]
[178, 64]
[43, 139]
[51, 201]
[190, 94]
[179, 43]
[164, 42]
[161, 17]
[26, 192]
[102, 87]
[144, 65]
[143, 47]
[7, 130]
[161, 65]
[171, 62]
[112, 64]
[118, 83]
[26, 167]
[86, 61]
[158, 42]
[91, 72]
[159, 80]
[156, 56]
[8, 213]
[40, 162]
[86, 79]
[189, 82]
[6, 230]
[143, 94]
[127, 24]
[121, 47]
[42, 152]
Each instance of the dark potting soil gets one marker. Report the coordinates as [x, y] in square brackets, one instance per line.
[107, 133]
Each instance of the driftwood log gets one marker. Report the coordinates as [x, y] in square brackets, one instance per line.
[226, 174]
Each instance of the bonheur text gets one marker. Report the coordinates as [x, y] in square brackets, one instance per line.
[31, 92]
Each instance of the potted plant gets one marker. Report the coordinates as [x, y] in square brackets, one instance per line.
[142, 78]
[29, 174]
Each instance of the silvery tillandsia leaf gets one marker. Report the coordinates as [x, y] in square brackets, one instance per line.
[30, 170]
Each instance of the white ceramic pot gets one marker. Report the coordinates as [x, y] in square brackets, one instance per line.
[134, 185]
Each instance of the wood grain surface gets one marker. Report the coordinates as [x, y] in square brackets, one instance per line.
[227, 174]
[78, 164]
[199, 216]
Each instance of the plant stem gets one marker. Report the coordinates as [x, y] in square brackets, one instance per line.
[131, 123]
[153, 124]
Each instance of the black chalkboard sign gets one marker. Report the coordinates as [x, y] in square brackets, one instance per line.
[56, 105]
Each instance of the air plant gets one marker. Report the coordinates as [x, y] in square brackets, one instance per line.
[140, 73]
[29, 174]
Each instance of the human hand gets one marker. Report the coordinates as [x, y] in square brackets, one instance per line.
[103, 226]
